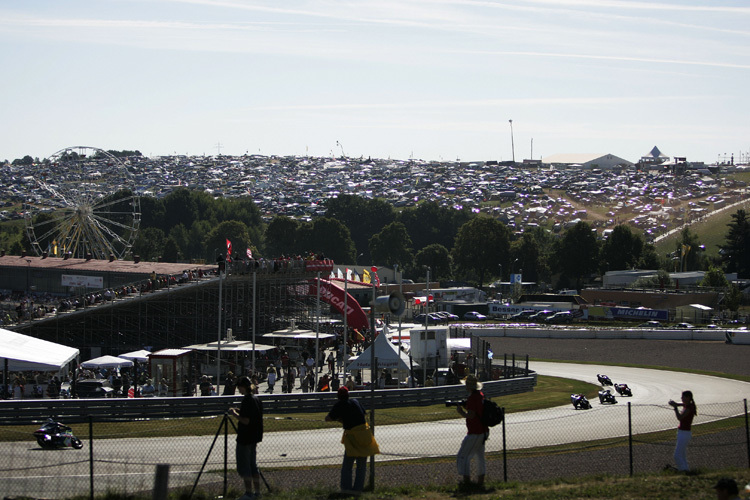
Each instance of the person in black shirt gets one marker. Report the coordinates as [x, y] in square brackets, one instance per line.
[358, 440]
[249, 434]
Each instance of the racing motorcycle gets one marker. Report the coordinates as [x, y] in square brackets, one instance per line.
[580, 402]
[606, 397]
[54, 435]
[623, 390]
[604, 379]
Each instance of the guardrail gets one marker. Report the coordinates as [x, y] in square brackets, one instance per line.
[33, 411]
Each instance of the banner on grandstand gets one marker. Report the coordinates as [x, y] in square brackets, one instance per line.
[82, 281]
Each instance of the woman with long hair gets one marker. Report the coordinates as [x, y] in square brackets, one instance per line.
[685, 417]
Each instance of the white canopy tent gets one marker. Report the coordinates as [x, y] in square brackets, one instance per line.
[387, 356]
[140, 356]
[230, 346]
[107, 362]
[25, 353]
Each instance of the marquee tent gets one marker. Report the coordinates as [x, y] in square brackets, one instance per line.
[107, 362]
[24, 353]
[140, 356]
[387, 356]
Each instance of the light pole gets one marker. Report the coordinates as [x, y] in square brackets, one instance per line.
[512, 145]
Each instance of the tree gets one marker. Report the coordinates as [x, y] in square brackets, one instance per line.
[733, 298]
[715, 278]
[736, 251]
[363, 217]
[577, 254]
[26, 160]
[481, 244]
[330, 238]
[171, 251]
[437, 258]
[532, 252]
[429, 223]
[660, 280]
[149, 244]
[281, 236]
[622, 249]
[392, 246]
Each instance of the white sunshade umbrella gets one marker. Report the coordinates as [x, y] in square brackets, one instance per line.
[107, 362]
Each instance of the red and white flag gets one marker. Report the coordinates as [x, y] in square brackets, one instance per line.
[249, 254]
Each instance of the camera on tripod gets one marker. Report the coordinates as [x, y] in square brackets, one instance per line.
[456, 402]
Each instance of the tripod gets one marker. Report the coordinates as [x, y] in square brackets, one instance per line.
[224, 424]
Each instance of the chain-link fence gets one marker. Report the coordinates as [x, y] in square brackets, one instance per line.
[303, 450]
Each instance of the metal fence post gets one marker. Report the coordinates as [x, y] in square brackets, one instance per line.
[91, 457]
[226, 451]
[630, 437]
[505, 452]
[161, 482]
[747, 433]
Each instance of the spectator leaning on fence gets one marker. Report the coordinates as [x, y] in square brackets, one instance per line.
[684, 433]
[358, 441]
[476, 432]
[249, 434]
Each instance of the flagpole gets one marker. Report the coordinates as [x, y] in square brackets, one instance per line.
[346, 330]
[253, 355]
[317, 331]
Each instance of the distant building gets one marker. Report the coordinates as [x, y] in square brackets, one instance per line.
[655, 158]
[587, 161]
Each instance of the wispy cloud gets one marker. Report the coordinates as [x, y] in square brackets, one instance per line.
[481, 103]
[652, 60]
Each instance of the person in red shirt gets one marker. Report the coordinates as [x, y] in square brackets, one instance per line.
[684, 433]
[476, 432]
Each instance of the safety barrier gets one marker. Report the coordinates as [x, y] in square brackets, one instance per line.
[29, 411]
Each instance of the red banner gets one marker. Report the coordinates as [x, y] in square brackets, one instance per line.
[332, 294]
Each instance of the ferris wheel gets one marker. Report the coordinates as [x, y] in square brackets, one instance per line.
[84, 205]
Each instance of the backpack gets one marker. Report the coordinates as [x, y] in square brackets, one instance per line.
[492, 414]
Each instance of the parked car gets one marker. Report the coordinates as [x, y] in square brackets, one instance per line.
[474, 315]
[541, 315]
[446, 315]
[684, 325]
[522, 315]
[431, 319]
[650, 324]
[560, 317]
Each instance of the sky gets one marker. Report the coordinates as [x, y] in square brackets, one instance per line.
[442, 80]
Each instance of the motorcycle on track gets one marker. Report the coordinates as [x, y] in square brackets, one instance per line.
[53, 435]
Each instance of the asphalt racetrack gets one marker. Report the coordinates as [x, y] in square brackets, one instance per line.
[120, 462]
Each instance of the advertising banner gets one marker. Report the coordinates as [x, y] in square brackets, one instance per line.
[82, 281]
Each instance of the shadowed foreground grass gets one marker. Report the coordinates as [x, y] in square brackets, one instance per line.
[697, 485]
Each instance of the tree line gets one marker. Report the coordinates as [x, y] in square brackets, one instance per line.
[191, 225]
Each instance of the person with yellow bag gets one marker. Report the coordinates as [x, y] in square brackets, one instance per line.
[358, 441]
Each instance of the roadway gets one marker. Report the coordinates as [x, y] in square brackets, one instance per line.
[127, 463]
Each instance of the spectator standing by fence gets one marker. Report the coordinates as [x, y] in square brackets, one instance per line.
[358, 441]
[476, 432]
[684, 433]
[249, 434]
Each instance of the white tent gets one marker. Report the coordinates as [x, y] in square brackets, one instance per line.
[387, 356]
[26, 353]
[107, 362]
[140, 356]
